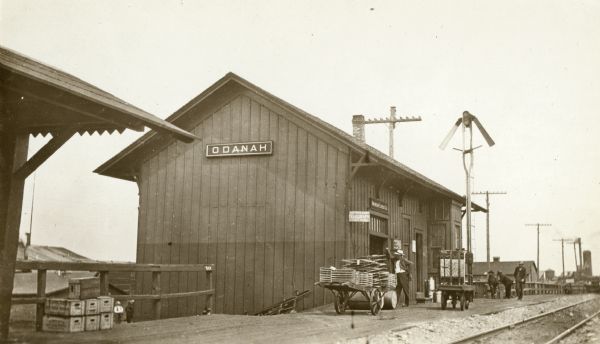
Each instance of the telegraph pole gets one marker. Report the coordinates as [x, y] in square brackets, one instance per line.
[391, 121]
[487, 219]
[538, 225]
[562, 248]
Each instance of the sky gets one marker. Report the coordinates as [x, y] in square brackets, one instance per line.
[529, 70]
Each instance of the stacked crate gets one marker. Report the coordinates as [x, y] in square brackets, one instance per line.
[365, 279]
[384, 280]
[344, 275]
[325, 274]
[84, 310]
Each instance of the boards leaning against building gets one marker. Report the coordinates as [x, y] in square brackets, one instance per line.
[270, 194]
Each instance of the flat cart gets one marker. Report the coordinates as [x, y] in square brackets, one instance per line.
[453, 279]
[344, 291]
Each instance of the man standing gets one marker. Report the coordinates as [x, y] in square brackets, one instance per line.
[507, 284]
[493, 283]
[520, 275]
[401, 267]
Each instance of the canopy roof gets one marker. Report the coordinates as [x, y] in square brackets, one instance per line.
[38, 99]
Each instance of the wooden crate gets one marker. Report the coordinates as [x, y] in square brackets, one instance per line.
[84, 288]
[106, 304]
[65, 307]
[92, 307]
[53, 323]
[106, 321]
[92, 322]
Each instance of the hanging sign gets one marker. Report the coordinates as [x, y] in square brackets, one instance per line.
[360, 216]
[414, 246]
[378, 205]
[239, 149]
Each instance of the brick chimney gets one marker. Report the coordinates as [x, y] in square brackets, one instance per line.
[358, 127]
[496, 259]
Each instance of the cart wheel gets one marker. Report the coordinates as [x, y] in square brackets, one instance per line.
[462, 302]
[376, 301]
[339, 302]
[444, 300]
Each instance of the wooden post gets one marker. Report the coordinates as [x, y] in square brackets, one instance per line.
[13, 154]
[209, 297]
[156, 291]
[104, 283]
[41, 293]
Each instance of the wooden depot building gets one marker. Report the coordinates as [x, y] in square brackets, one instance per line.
[270, 194]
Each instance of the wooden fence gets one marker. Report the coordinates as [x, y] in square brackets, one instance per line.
[104, 270]
[532, 288]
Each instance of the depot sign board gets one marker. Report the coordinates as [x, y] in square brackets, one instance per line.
[359, 216]
[239, 149]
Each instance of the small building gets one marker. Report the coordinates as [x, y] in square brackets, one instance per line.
[480, 269]
[548, 275]
[271, 194]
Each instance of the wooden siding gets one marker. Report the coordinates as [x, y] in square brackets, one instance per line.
[405, 219]
[267, 222]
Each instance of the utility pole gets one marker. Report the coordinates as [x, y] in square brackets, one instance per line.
[562, 249]
[538, 225]
[487, 219]
[391, 121]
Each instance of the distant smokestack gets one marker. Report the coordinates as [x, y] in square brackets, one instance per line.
[587, 263]
[358, 127]
[496, 259]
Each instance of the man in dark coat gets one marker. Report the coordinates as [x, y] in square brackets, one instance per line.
[401, 267]
[493, 283]
[520, 275]
[507, 282]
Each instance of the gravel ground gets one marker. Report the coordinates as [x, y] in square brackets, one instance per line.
[448, 330]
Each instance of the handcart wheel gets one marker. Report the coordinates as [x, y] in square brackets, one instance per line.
[376, 301]
[462, 302]
[444, 300]
[339, 302]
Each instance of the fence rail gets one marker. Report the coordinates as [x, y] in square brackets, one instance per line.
[104, 269]
[532, 288]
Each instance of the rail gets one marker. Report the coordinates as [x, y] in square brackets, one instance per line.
[479, 335]
[104, 270]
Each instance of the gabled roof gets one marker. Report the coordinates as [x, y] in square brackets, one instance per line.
[506, 267]
[42, 99]
[120, 166]
[50, 253]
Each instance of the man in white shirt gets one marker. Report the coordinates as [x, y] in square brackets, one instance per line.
[401, 267]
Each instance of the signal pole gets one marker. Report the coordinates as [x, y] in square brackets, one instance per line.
[538, 239]
[391, 121]
[487, 218]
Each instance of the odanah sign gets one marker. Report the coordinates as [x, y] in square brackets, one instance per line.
[237, 149]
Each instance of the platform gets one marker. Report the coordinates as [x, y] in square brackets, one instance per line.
[321, 325]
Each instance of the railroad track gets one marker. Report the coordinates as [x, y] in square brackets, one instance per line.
[572, 329]
[489, 334]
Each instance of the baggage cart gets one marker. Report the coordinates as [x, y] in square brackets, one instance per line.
[344, 291]
[454, 279]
